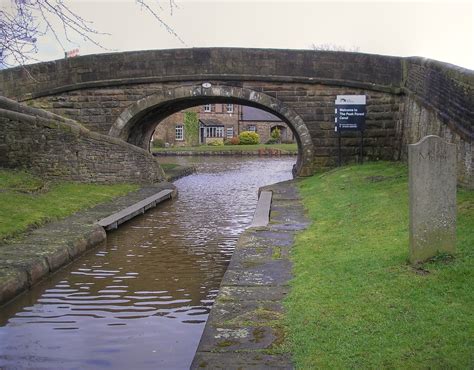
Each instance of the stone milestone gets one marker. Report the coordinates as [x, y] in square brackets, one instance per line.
[432, 185]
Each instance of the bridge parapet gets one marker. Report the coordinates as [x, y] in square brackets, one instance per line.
[114, 69]
[407, 97]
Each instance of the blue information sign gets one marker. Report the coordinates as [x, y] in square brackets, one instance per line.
[350, 113]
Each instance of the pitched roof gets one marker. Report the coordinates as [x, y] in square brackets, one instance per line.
[255, 114]
[210, 122]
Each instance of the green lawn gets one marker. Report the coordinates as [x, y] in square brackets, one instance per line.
[355, 302]
[292, 148]
[27, 201]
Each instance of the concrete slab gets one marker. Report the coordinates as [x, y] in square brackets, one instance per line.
[262, 211]
[111, 222]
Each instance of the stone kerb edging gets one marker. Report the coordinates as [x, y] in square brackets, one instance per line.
[27, 260]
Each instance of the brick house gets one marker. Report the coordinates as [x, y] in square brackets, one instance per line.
[218, 122]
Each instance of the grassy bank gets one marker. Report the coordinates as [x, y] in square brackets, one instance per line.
[27, 201]
[291, 148]
[355, 302]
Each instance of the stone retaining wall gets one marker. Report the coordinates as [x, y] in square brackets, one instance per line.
[61, 149]
[418, 122]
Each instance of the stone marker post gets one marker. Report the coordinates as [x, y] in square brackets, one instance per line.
[432, 183]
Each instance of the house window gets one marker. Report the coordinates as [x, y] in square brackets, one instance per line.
[179, 133]
[214, 131]
[208, 108]
[252, 128]
[229, 132]
[230, 108]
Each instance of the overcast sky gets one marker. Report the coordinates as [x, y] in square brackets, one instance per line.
[442, 30]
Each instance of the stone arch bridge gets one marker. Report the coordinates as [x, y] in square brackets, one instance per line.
[125, 95]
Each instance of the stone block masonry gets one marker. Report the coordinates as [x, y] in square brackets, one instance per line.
[407, 97]
[313, 102]
[60, 149]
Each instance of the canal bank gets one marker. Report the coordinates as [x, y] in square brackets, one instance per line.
[244, 329]
[152, 282]
[264, 152]
[27, 259]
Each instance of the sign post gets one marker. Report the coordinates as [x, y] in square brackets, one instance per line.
[350, 116]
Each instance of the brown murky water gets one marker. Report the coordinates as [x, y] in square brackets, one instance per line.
[141, 301]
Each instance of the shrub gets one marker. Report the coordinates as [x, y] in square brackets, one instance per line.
[276, 134]
[272, 141]
[158, 143]
[233, 141]
[248, 138]
[216, 143]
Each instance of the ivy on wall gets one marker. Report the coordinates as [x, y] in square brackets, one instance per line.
[191, 128]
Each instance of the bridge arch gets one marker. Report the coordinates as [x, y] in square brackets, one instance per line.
[137, 123]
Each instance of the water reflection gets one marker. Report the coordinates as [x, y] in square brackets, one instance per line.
[142, 300]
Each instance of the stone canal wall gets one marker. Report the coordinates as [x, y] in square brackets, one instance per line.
[61, 149]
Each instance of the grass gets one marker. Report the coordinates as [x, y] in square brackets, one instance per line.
[169, 166]
[27, 201]
[355, 302]
[291, 148]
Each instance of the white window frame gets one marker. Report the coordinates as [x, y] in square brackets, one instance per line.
[252, 128]
[229, 132]
[207, 108]
[230, 108]
[179, 133]
[214, 131]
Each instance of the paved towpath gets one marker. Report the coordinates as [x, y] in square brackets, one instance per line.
[244, 327]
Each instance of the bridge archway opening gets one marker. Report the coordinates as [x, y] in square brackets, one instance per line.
[138, 122]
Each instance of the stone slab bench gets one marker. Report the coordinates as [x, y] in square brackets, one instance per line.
[111, 222]
[261, 216]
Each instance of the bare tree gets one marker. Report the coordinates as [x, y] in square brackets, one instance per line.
[22, 22]
[334, 47]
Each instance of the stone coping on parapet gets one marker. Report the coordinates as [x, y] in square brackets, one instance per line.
[244, 329]
[26, 260]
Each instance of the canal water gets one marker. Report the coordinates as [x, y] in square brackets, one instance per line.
[142, 300]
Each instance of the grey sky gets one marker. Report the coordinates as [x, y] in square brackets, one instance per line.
[442, 30]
